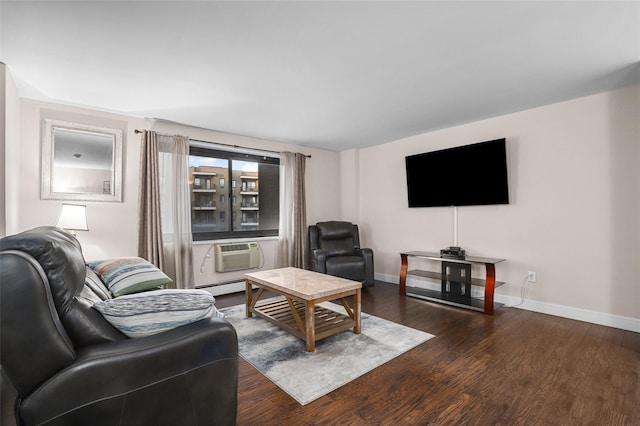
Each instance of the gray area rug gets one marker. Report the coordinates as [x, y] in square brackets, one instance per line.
[337, 360]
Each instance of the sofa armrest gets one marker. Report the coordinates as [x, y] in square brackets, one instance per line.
[319, 260]
[136, 376]
[367, 254]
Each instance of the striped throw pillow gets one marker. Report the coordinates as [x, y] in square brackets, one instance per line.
[152, 312]
[127, 275]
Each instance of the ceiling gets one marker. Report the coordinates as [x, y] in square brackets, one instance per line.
[332, 75]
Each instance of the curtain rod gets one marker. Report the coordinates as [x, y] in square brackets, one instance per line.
[225, 144]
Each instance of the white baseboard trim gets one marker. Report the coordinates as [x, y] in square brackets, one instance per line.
[594, 317]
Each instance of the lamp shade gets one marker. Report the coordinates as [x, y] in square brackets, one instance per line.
[73, 217]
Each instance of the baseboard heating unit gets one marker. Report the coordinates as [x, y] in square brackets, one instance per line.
[237, 256]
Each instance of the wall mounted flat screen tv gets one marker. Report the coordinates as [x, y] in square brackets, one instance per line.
[468, 175]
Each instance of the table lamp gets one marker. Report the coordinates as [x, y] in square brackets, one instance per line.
[73, 217]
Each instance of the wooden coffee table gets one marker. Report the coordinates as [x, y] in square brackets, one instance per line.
[299, 313]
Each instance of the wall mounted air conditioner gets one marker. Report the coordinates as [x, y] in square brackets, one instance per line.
[237, 256]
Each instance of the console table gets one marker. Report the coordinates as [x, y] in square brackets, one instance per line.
[456, 281]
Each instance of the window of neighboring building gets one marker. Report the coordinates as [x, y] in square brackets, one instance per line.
[254, 206]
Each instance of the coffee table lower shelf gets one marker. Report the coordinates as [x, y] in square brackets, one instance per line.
[279, 312]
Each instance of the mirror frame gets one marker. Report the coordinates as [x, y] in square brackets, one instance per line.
[47, 147]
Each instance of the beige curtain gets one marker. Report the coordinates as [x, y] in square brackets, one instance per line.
[292, 239]
[149, 227]
[175, 209]
[166, 174]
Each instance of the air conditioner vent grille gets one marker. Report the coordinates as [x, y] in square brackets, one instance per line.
[237, 256]
[234, 247]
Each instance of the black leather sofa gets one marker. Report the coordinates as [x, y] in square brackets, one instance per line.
[71, 367]
[334, 249]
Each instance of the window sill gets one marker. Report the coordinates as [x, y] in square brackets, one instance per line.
[229, 240]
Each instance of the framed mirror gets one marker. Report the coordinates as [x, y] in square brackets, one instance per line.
[81, 162]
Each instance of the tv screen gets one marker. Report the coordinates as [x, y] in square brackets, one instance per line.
[468, 175]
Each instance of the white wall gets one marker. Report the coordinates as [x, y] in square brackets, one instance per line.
[349, 185]
[3, 116]
[113, 226]
[574, 216]
[10, 156]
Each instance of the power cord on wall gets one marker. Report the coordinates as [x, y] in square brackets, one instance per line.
[204, 259]
[523, 292]
[261, 257]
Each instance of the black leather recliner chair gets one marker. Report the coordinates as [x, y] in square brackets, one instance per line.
[69, 366]
[335, 250]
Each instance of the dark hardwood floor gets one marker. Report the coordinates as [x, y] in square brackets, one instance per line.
[515, 368]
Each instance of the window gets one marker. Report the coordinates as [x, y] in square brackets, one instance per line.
[254, 194]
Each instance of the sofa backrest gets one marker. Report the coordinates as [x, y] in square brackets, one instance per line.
[34, 344]
[60, 256]
[336, 238]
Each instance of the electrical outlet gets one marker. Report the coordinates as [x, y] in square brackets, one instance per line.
[531, 276]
